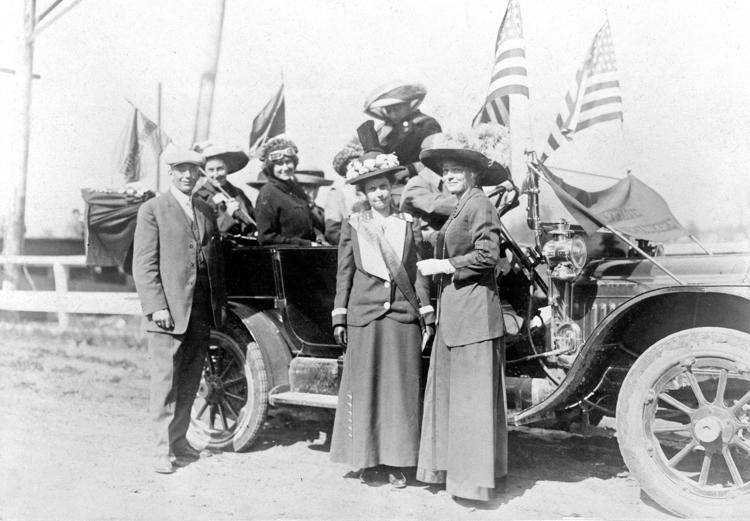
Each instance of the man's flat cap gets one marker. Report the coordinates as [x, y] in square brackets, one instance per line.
[176, 156]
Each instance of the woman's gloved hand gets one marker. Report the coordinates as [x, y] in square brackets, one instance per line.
[434, 266]
[339, 334]
[428, 333]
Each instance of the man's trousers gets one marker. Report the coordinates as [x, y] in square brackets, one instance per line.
[176, 367]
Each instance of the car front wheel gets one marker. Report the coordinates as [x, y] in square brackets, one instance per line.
[232, 399]
[683, 422]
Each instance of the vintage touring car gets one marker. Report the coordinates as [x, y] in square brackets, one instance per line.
[597, 326]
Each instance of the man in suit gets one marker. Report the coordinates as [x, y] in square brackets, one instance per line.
[178, 273]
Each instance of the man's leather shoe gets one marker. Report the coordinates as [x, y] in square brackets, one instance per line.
[187, 455]
[163, 465]
[397, 479]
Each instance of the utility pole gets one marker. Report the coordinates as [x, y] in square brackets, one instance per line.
[215, 25]
[15, 223]
[158, 124]
[16, 220]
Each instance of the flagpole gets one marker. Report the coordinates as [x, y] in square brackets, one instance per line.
[208, 77]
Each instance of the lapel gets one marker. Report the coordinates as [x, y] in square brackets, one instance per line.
[200, 222]
[461, 203]
[178, 213]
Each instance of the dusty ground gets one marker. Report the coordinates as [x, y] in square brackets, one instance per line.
[74, 444]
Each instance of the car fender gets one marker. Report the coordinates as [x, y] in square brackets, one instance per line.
[277, 354]
[595, 355]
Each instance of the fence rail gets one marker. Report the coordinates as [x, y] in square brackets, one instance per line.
[61, 300]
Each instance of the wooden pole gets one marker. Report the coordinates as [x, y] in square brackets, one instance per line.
[215, 24]
[158, 124]
[16, 220]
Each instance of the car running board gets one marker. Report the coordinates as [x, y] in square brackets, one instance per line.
[326, 401]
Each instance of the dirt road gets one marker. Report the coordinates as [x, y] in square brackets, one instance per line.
[74, 444]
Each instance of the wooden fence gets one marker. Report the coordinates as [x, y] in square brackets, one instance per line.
[61, 300]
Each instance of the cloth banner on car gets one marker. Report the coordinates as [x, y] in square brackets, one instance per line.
[110, 226]
[629, 206]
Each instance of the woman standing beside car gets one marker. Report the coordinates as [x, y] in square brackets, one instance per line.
[464, 436]
[380, 302]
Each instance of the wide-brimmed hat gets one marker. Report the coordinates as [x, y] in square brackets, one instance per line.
[312, 176]
[344, 156]
[174, 156]
[391, 94]
[486, 147]
[234, 157]
[259, 182]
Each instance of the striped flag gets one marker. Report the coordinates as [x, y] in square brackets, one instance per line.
[594, 97]
[509, 74]
[270, 122]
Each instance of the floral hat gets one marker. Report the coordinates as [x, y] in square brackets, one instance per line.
[370, 165]
[486, 147]
[344, 156]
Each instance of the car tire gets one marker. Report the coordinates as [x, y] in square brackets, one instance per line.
[232, 400]
[674, 441]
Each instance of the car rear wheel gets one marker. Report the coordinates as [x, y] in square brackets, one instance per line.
[232, 399]
[683, 422]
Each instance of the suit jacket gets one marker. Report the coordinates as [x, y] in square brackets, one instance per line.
[362, 297]
[165, 255]
[469, 309]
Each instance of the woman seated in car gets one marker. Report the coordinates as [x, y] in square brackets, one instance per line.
[282, 211]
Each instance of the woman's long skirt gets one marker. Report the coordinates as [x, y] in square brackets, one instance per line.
[464, 441]
[378, 414]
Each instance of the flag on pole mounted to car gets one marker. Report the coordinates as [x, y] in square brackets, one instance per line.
[270, 122]
[509, 75]
[137, 155]
[629, 206]
[594, 97]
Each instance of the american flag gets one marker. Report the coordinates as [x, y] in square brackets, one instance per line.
[270, 122]
[509, 73]
[594, 97]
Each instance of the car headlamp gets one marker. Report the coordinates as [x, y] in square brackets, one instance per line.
[565, 253]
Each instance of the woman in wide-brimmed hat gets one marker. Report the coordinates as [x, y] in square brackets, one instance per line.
[311, 179]
[282, 211]
[342, 199]
[380, 302]
[464, 436]
[234, 211]
[404, 127]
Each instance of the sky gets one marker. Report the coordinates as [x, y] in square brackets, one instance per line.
[683, 70]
